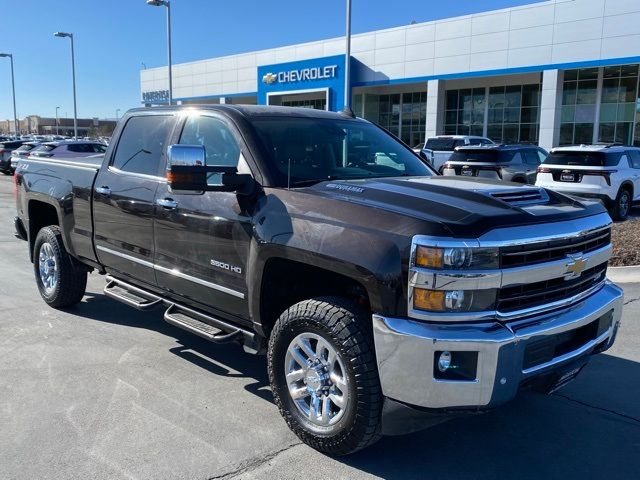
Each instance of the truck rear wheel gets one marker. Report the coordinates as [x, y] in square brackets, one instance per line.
[61, 280]
[324, 376]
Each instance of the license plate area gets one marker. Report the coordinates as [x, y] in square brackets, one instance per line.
[466, 172]
[567, 177]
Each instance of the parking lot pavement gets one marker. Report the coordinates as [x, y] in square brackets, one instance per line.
[105, 391]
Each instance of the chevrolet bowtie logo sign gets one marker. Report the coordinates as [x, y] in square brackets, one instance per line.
[269, 78]
[575, 266]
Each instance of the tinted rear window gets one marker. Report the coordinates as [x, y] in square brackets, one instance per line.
[586, 159]
[44, 148]
[489, 156]
[25, 148]
[443, 144]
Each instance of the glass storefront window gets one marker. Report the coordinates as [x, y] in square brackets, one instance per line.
[618, 104]
[414, 117]
[464, 114]
[403, 114]
[579, 98]
[514, 113]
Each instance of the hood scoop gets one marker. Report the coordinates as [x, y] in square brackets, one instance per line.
[522, 196]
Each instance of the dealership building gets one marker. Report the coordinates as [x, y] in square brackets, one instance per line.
[554, 73]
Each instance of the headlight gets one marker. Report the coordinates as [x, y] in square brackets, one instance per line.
[456, 258]
[454, 300]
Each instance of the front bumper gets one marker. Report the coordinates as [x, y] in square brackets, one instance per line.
[406, 351]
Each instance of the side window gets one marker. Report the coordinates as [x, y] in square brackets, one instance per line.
[634, 157]
[99, 148]
[220, 146]
[517, 158]
[141, 142]
[542, 155]
[80, 148]
[531, 157]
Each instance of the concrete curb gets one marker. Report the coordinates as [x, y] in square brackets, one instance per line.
[624, 274]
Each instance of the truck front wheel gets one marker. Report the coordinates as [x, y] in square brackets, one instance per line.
[60, 278]
[324, 376]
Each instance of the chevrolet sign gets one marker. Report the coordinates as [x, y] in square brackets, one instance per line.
[301, 75]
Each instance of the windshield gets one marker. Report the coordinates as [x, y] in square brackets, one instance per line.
[488, 156]
[317, 149]
[587, 159]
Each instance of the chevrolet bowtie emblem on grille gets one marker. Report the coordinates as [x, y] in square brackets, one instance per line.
[269, 78]
[575, 266]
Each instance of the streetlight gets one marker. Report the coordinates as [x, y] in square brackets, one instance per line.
[73, 73]
[117, 111]
[57, 122]
[347, 59]
[166, 3]
[13, 86]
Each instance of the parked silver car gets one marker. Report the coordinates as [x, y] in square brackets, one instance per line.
[69, 149]
[437, 150]
[511, 163]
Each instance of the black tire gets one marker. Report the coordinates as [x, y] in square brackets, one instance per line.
[7, 172]
[71, 276]
[348, 329]
[622, 206]
[519, 180]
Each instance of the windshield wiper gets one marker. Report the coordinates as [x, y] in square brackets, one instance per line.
[312, 181]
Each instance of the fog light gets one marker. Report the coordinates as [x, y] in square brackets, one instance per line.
[444, 362]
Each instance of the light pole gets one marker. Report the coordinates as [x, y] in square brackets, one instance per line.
[57, 122]
[347, 59]
[117, 111]
[166, 3]
[13, 87]
[73, 74]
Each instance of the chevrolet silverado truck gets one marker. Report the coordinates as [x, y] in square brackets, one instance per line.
[386, 297]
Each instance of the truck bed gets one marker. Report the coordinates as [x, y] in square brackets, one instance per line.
[64, 185]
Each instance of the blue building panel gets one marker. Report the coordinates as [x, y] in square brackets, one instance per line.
[305, 75]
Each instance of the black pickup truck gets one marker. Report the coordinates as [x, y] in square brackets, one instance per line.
[386, 297]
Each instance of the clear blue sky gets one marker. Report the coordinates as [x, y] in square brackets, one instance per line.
[114, 37]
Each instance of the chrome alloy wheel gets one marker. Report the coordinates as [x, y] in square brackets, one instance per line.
[316, 378]
[48, 268]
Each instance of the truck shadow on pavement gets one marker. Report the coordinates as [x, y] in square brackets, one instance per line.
[228, 360]
[588, 429]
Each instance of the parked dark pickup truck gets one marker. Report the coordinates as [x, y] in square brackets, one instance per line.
[385, 296]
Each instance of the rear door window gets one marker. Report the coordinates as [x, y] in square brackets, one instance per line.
[531, 157]
[141, 143]
[634, 158]
[80, 148]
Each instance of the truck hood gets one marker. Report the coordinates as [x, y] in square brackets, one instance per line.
[465, 207]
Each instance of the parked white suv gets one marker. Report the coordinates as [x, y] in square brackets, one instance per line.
[437, 150]
[610, 173]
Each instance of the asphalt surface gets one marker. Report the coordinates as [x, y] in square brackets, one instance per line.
[105, 391]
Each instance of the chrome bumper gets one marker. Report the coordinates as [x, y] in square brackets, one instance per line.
[406, 349]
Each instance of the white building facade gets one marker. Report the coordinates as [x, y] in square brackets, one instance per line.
[553, 73]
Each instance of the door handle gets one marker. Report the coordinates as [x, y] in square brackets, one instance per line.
[106, 191]
[168, 203]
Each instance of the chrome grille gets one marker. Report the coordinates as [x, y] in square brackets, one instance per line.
[541, 293]
[532, 254]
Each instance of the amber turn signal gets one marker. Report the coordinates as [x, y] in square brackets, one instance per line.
[429, 257]
[431, 300]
